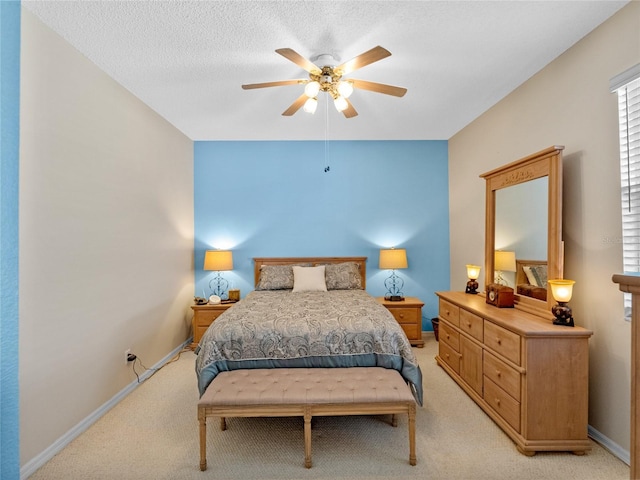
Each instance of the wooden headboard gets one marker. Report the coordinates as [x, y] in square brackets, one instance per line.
[260, 261]
[521, 277]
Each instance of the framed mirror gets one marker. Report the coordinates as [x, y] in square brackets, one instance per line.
[523, 224]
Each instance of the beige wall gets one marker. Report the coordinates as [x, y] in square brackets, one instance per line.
[106, 237]
[567, 103]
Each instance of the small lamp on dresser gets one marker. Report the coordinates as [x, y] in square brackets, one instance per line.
[562, 290]
[393, 259]
[473, 272]
[218, 261]
[503, 262]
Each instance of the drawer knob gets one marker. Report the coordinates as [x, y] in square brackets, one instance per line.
[499, 342]
[469, 324]
[401, 315]
[498, 401]
[498, 373]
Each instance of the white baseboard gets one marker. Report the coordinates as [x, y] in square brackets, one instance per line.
[39, 460]
[615, 449]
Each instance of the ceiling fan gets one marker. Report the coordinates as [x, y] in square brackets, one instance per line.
[326, 77]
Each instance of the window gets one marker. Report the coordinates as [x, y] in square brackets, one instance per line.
[627, 85]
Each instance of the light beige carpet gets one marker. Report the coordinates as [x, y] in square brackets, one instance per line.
[153, 434]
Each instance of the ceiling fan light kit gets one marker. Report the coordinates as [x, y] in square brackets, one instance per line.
[345, 88]
[328, 79]
[341, 103]
[310, 105]
[311, 89]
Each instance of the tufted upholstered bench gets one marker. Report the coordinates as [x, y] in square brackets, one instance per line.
[290, 392]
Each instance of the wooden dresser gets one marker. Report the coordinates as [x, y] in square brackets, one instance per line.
[408, 313]
[530, 376]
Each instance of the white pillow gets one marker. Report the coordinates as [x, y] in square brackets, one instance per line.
[309, 279]
[530, 276]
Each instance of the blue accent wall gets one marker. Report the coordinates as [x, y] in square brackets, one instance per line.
[9, 163]
[274, 198]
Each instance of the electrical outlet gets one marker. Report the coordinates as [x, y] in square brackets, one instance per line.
[126, 356]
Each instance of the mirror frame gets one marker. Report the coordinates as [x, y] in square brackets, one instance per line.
[546, 163]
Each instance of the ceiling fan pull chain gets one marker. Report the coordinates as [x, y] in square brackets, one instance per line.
[326, 134]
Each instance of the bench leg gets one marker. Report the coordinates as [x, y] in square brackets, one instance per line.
[202, 418]
[412, 434]
[223, 424]
[394, 420]
[307, 438]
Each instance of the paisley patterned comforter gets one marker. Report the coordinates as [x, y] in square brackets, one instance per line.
[338, 328]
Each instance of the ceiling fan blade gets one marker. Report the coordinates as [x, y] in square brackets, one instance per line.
[295, 106]
[362, 60]
[299, 60]
[349, 112]
[280, 83]
[378, 87]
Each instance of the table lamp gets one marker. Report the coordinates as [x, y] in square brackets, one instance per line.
[218, 261]
[473, 272]
[562, 290]
[503, 262]
[393, 259]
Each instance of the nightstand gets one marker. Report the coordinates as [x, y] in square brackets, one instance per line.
[408, 313]
[203, 316]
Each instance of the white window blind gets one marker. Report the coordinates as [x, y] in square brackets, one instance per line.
[629, 122]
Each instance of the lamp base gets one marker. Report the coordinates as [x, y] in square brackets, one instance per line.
[563, 315]
[394, 298]
[564, 323]
[472, 287]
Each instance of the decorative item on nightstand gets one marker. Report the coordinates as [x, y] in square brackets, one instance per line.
[473, 272]
[562, 291]
[503, 262]
[393, 259]
[218, 261]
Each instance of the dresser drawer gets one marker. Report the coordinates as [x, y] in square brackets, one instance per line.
[502, 403]
[449, 336]
[502, 341]
[203, 317]
[502, 375]
[406, 315]
[203, 320]
[450, 312]
[412, 331]
[450, 356]
[471, 324]
[208, 316]
[199, 332]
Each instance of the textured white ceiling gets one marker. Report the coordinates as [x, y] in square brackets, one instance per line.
[188, 59]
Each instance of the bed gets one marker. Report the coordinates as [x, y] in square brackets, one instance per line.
[290, 323]
[531, 278]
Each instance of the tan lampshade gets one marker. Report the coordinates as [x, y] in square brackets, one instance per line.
[218, 260]
[562, 290]
[505, 261]
[393, 258]
[473, 272]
